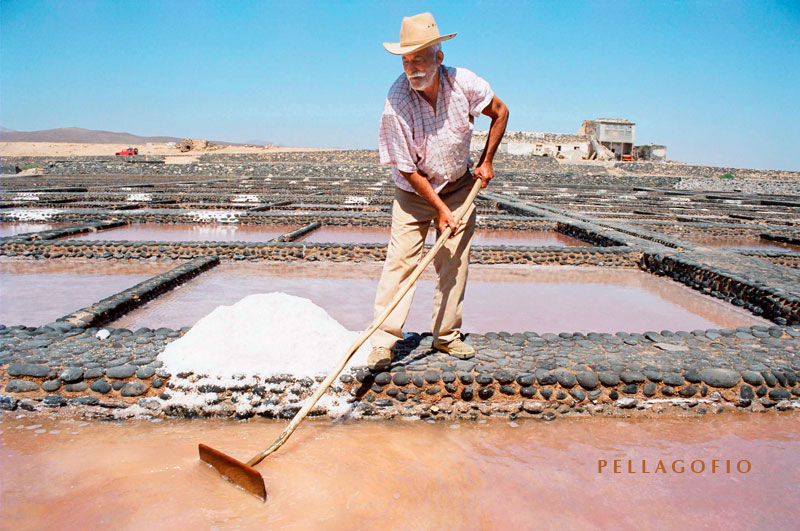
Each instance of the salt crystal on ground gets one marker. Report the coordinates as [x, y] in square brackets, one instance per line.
[264, 334]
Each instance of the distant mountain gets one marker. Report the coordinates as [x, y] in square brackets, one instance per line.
[77, 135]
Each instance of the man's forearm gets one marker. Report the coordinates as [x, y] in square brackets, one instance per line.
[424, 189]
[496, 131]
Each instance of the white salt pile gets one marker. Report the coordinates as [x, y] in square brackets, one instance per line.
[264, 334]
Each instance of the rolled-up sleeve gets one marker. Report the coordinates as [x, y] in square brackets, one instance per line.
[394, 141]
[476, 89]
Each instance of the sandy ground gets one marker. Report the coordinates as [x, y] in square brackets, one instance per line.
[66, 149]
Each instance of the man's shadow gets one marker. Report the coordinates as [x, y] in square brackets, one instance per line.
[405, 352]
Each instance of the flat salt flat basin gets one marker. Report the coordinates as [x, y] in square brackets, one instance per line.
[747, 244]
[189, 233]
[499, 298]
[70, 474]
[334, 234]
[34, 293]
[12, 229]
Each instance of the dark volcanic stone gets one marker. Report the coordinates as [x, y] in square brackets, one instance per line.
[667, 390]
[762, 391]
[587, 380]
[753, 378]
[100, 386]
[157, 383]
[448, 377]
[649, 389]
[468, 393]
[630, 389]
[780, 394]
[433, 390]
[565, 378]
[528, 392]
[143, 373]
[630, 377]
[747, 392]
[71, 375]
[134, 389]
[546, 393]
[578, 394]
[28, 369]
[594, 395]
[93, 373]
[693, 376]
[76, 387]
[653, 375]
[508, 390]
[465, 378]
[401, 379]
[484, 379]
[117, 385]
[689, 391]
[84, 401]
[769, 378]
[51, 385]
[526, 380]
[9, 403]
[486, 393]
[432, 376]
[21, 386]
[54, 401]
[545, 377]
[504, 377]
[673, 379]
[609, 378]
[417, 380]
[383, 378]
[121, 372]
[561, 395]
[724, 378]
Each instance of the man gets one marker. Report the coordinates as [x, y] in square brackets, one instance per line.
[425, 133]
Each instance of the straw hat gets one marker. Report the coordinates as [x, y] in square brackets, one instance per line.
[416, 33]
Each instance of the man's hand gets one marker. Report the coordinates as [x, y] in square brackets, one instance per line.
[445, 220]
[484, 172]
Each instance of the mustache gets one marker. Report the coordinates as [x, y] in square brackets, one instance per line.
[416, 75]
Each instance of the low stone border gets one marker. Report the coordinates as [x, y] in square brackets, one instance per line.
[748, 368]
[289, 251]
[123, 302]
[52, 234]
[302, 231]
[786, 259]
[771, 303]
[792, 239]
[273, 217]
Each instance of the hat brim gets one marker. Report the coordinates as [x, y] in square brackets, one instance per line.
[396, 48]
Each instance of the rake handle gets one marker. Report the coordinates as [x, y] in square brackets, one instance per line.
[300, 415]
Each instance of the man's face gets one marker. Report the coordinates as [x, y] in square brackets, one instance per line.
[421, 67]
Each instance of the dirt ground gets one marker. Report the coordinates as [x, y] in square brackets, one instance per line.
[68, 149]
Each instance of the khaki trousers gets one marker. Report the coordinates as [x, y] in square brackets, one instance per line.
[411, 218]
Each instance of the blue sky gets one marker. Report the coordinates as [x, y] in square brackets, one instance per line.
[716, 81]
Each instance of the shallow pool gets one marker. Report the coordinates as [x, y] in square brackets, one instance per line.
[68, 474]
[499, 298]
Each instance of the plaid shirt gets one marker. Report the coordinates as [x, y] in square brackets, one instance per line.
[414, 138]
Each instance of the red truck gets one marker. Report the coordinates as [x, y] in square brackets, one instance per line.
[128, 151]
